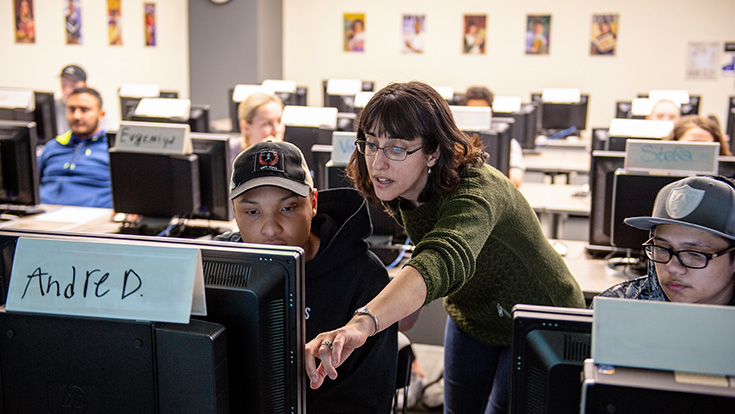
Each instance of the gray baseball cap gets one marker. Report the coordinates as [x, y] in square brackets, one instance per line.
[704, 203]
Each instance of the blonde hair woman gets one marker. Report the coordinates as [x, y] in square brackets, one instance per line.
[260, 119]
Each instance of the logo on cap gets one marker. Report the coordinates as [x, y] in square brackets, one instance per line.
[682, 201]
[268, 159]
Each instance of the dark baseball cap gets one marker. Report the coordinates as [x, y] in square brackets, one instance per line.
[280, 164]
[74, 72]
[704, 203]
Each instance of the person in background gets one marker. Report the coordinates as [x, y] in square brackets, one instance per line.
[74, 167]
[695, 128]
[665, 110]
[691, 252]
[260, 119]
[275, 202]
[72, 77]
[477, 241]
[481, 96]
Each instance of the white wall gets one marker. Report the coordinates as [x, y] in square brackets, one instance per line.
[38, 65]
[651, 50]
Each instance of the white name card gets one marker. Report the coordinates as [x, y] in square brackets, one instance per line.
[672, 156]
[641, 128]
[313, 116]
[278, 85]
[446, 92]
[664, 335]
[674, 95]
[154, 138]
[140, 90]
[343, 145]
[17, 98]
[561, 95]
[243, 91]
[344, 87]
[507, 104]
[641, 106]
[164, 108]
[362, 99]
[111, 280]
[472, 118]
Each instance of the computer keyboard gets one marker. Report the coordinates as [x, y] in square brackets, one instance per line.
[20, 209]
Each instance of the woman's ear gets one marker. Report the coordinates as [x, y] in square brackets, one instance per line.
[433, 158]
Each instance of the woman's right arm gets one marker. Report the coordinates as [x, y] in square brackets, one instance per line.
[404, 295]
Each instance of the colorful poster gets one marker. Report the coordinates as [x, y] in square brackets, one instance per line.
[114, 31]
[73, 22]
[604, 34]
[25, 27]
[538, 28]
[149, 12]
[354, 32]
[414, 33]
[473, 40]
[702, 58]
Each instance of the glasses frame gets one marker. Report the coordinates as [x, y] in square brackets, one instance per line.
[407, 152]
[647, 248]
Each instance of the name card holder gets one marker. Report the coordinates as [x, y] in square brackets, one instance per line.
[446, 92]
[154, 138]
[140, 90]
[119, 280]
[278, 85]
[561, 95]
[17, 98]
[640, 128]
[472, 118]
[507, 104]
[362, 98]
[344, 87]
[685, 158]
[243, 91]
[343, 145]
[310, 116]
[172, 108]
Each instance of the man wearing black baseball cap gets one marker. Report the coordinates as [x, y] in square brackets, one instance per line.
[691, 252]
[275, 202]
[72, 77]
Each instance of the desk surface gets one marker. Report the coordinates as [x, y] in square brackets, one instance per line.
[557, 198]
[558, 161]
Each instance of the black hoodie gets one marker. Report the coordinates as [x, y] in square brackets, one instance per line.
[343, 276]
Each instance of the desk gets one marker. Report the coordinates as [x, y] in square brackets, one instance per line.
[555, 162]
[86, 220]
[554, 203]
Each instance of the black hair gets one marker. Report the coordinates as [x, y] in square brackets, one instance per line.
[478, 92]
[91, 91]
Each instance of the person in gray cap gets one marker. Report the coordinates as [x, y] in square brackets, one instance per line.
[691, 251]
[275, 202]
[72, 77]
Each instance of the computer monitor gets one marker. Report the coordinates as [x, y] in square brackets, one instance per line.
[340, 93]
[256, 292]
[549, 346]
[306, 137]
[633, 196]
[129, 103]
[20, 178]
[497, 145]
[731, 122]
[45, 116]
[602, 168]
[557, 116]
[213, 166]
[526, 124]
[198, 118]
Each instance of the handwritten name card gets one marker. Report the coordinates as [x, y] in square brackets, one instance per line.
[114, 280]
[154, 138]
[672, 156]
[343, 144]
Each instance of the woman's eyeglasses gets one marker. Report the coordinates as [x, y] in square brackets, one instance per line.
[392, 153]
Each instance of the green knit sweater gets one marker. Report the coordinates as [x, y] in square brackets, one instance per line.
[481, 248]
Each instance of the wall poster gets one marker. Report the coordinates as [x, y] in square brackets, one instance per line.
[604, 34]
[73, 22]
[25, 26]
[538, 29]
[354, 32]
[474, 36]
[149, 16]
[114, 31]
[414, 33]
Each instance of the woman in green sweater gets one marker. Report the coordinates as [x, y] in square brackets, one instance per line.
[478, 244]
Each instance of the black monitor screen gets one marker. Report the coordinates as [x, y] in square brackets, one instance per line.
[602, 169]
[20, 180]
[45, 116]
[633, 196]
[549, 346]
[497, 145]
[564, 115]
[305, 137]
[255, 291]
[215, 168]
[154, 185]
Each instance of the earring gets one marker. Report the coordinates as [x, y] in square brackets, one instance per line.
[429, 170]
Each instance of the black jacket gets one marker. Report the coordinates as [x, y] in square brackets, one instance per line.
[343, 276]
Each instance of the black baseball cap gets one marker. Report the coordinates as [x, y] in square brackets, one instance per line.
[74, 72]
[704, 203]
[280, 164]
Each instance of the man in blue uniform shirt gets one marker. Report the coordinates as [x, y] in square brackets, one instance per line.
[275, 202]
[74, 167]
